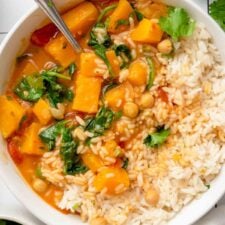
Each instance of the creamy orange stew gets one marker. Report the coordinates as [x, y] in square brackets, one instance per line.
[60, 100]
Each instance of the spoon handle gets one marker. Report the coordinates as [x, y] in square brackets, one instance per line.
[50, 10]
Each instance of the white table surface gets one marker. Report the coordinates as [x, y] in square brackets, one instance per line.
[10, 12]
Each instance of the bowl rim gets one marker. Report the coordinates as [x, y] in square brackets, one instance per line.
[44, 217]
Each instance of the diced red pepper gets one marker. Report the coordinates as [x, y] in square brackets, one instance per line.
[163, 95]
[43, 35]
[13, 148]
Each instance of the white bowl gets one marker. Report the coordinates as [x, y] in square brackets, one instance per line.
[15, 43]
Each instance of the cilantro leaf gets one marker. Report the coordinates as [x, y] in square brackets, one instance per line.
[177, 24]
[157, 138]
[217, 11]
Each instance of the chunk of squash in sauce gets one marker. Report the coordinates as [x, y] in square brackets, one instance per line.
[138, 72]
[92, 161]
[31, 142]
[81, 18]
[87, 93]
[122, 12]
[154, 11]
[11, 113]
[41, 110]
[116, 97]
[114, 62]
[61, 51]
[114, 180]
[147, 31]
[89, 64]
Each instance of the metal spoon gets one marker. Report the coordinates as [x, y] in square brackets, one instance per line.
[50, 10]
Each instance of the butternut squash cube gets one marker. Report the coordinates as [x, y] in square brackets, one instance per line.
[87, 92]
[41, 110]
[147, 31]
[138, 73]
[81, 18]
[114, 180]
[31, 143]
[111, 56]
[116, 97]
[92, 161]
[11, 113]
[154, 11]
[122, 12]
[112, 149]
[61, 51]
[89, 65]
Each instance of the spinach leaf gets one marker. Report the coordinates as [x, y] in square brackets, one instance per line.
[68, 146]
[157, 138]
[50, 134]
[100, 44]
[151, 75]
[122, 22]
[125, 53]
[55, 92]
[139, 15]
[72, 69]
[101, 122]
[68, 151]
[30, 88]
[177, 24]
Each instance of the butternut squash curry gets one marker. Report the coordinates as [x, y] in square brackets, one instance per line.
[68, 114]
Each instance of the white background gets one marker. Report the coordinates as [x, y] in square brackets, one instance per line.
[10, 12]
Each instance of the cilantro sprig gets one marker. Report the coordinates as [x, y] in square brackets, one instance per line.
[217, 11]
[157, 138]
[177, 23]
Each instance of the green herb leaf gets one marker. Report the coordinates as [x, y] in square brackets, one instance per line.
[217, 11]
[50, 134]
[125, 53]
[30, 88]
[151, 74]
[105, 11]
[38, 172]
[102, 122]
[139, 15]
[100, 45]
[122, 22]
[177, 24]
[72, 69]
[157, 138]
[68, 146]
[125, 163]
[68, 151]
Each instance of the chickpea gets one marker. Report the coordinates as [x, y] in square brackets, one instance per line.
[152, 196]
[165, 46]
[98, 221]
[130, 110]
[39, 185]
[146, 101]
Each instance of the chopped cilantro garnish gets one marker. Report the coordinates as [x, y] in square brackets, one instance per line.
[177, 24]
[157, 138]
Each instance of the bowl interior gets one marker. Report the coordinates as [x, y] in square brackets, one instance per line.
[14, 44]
